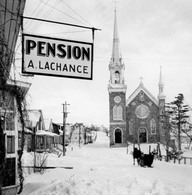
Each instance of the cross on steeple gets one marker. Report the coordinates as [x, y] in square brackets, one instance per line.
[141, 78]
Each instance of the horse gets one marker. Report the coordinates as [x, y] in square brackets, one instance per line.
[142, 159]
[136, 155]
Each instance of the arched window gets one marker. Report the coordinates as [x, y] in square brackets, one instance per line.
[153, 126]
[131, 127]
[117, 112]
[117, 77]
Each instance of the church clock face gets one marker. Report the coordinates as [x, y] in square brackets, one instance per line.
[117, 99]
[142, 111]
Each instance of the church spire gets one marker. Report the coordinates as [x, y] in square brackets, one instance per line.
[161, 86]
[116, 56]
[116, 65]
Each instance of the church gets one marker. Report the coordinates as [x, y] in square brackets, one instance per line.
[138, 117]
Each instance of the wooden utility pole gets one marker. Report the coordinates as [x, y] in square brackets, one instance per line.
[64, 122]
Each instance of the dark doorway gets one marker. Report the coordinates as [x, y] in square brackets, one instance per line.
[118, 136]
[142, 135]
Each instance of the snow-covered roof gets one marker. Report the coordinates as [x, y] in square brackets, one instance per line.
[26, 130]
[43, 132]
[34, 117]
[66, 132]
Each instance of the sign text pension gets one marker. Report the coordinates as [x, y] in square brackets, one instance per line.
[57, 57]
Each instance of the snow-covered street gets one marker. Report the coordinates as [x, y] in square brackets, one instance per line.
[98, 169]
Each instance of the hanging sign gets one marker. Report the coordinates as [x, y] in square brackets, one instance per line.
[56, 57]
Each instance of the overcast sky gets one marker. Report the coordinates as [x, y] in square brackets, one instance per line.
[152, 33]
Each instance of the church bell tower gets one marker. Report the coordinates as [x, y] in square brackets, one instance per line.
[117, 93]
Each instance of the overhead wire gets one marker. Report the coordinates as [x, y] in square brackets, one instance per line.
[77, 31]
[76, 13]
[46, 14]
[53, 8]
[63, 12]
[40, 10]
[38, 6]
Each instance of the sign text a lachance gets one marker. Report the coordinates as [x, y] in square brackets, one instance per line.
[56, 57]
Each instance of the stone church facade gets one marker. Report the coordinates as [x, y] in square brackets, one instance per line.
[138, 117]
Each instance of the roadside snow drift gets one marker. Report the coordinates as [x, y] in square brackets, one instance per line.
[100, 170]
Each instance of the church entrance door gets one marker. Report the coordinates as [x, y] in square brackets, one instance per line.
[142, 135]
[118, 136]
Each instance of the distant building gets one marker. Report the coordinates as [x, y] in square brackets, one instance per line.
[81, 134]
[67, 133]
[77, 133]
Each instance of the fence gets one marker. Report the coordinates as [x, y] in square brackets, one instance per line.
[182, 160]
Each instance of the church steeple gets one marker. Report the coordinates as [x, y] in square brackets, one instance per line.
[116, 65]
[117, 93]
[161, 86]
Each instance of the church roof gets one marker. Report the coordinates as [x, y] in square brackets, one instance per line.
[137, 91]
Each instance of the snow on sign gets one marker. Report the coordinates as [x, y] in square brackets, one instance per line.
[56, 57]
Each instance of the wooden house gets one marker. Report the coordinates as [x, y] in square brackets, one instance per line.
[77, 134]
[9, 134]
[43, 136]
[58, 129]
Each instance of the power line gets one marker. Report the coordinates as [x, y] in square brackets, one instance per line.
[65, 32]
[40, 9]
[47, 13]
[76, 13]
[62, 12]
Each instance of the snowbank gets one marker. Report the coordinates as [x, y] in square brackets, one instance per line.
[100, 170]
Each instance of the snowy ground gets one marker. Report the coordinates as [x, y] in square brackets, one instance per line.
[98, 169]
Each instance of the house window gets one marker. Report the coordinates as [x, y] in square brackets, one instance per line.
[10, 144]
[117, 113]
[9, 122]
[153, 126]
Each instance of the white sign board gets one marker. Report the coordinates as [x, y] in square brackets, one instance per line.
[56, 57]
